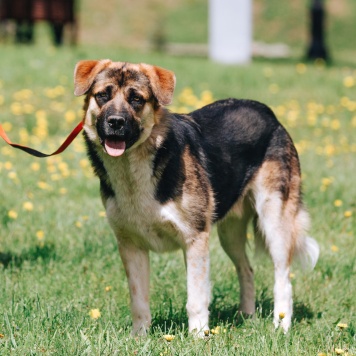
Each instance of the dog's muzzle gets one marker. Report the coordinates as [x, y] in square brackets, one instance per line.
[117, 124]
[114, 143]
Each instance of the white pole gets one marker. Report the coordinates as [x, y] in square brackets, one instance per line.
[230, 31]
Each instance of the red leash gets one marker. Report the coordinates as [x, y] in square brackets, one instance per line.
[36, 153]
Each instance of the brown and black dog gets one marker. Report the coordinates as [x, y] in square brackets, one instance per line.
[165, 178]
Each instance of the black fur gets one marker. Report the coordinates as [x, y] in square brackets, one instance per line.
[99, 169]
[229, 138]
[168, 164]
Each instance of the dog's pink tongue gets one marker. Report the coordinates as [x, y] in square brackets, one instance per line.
[115, 148]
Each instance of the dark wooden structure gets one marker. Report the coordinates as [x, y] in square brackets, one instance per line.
[317, 47]
[26, 12]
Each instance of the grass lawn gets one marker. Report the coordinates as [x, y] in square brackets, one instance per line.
[59, 259]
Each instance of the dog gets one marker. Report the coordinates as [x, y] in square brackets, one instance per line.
[166, 178]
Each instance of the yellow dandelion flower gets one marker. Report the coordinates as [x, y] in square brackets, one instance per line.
[24, 136]
[339, 351]
[28, 108]
[322, 354]
[334, 248]
[108, 288]
[349, 81]
[63, 191]
[63, 166]
[8, 151]
[59, 90]
[12, 214]
[344, 101]
[102, 214]
[12, 175]
[214, 331]
[342, 326]
[206, 332]
[27, 205]
[78, 224]
[95, 314]
[16, 108]
[7, 126]
[353, 121]
[268, 72]
[327, 181]
[84, 163]
[55, 177]
[70, 116]
[282, 315]
[338, 203]
[273, 88]
[206, 97]
[335, 124]
[51, 168]
[40, 235]
[8, 165]
[1, 100]
[348, 214]
[291, 275]
[168, 337]
[41, 116]
[43, 185]
[35, 166]
[301, 68]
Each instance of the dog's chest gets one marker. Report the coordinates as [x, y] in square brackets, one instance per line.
[134, 213]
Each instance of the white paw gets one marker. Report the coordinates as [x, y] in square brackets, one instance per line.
[201, 333]
[282, 320]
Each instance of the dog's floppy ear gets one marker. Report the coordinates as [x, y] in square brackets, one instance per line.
[85, 73]
[162, 82]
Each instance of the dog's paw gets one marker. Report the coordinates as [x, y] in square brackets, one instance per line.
[201, 334]
[139, 331]
[282, 320]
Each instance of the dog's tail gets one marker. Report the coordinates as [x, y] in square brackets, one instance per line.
[306, 249]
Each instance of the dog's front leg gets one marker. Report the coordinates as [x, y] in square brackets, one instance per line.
[198, 283]
[136, 263]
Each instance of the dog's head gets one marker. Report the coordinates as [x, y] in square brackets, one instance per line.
[123, 101]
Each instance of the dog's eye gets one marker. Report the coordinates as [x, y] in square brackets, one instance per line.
[102, 95]
[136, 99]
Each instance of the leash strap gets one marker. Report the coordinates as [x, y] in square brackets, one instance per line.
[36, 153]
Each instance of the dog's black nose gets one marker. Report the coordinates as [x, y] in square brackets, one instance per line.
[116, 122]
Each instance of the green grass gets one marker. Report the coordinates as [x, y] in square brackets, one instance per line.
[49, 284]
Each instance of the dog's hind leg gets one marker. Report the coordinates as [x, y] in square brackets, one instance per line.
[232, 235]
[277, 203]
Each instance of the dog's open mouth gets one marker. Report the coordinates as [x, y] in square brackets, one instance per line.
[114, 147]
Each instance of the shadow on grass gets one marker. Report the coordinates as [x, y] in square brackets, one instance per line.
[173, 320]
[44, 253]
[301, 311]
[170, 320]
